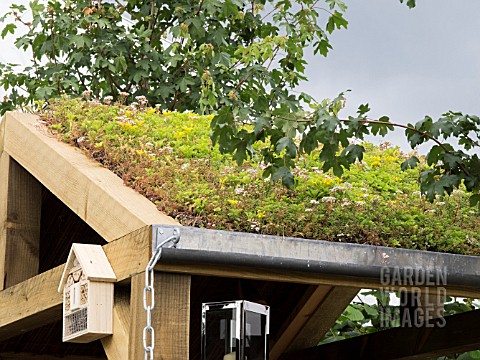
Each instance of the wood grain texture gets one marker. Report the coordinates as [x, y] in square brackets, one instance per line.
[2, 134]
[29, 356]
[295, 277]
[324, 316]
[37, 302]
[4, 170]
[455, 334]
[138, 318]
[304, 310]
[20, 200]
[94, 263]
[92, 192]
[170, 316]
[116, 346]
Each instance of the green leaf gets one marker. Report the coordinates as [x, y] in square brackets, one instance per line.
[410, 163]
[185, 82]
[363, 109]
[354, 314]
[229, 8]
[452, 160]
[120, 63]
[414, 137]
[353, 153]
[285, 174]
[433, 155]
[322, 47]
[341, 5]
[410, 3]
[288, 144]
[370, 310]
[240, 154]
[336, 20]
[36, 7]
[474, 200]
[10, 28]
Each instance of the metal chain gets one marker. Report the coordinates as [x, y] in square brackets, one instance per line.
[149, 293]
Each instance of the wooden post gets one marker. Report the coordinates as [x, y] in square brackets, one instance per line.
[170, 316]
[116, 346]
[20, 207]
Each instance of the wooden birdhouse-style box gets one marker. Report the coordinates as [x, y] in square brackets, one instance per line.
[87, 286]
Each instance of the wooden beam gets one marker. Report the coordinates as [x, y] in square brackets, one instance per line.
[458, 334]
[92, 192]
[116, 346]
[36, 301]
[170, 316]
[324, 317]
[30, 356]
[304, 310]
[2, 134]
[138, 318]
[20, 208]
[4, 169]
[246, 272]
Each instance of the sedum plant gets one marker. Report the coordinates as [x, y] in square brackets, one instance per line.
[237, 60]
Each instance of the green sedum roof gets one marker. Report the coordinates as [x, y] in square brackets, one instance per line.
[169, 158]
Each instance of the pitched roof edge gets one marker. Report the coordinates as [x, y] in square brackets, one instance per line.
[94, 193]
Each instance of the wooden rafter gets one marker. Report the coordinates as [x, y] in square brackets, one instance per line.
[316, 312]
[94, 193]
[459, 334]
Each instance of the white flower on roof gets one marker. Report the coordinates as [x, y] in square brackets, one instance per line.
[107, 100]
[314, 202]
[440, 203]
[308, 210]
[328, 199]
[337, 189]
[360, 203]
[431, 211]
[239, 190]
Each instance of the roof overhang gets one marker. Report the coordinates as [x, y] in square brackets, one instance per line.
[225, 253]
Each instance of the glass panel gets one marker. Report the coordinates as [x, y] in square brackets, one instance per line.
[220, 341]
[255, 345]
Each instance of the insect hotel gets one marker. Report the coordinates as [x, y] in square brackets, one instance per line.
[87, 287]
[73, 237]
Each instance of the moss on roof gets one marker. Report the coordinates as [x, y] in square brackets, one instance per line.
[169, 158]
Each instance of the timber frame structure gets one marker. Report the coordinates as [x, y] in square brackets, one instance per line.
[51, 196]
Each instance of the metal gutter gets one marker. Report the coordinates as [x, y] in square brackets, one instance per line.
[244, 250]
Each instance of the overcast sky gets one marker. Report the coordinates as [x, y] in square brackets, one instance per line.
[405, 63]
